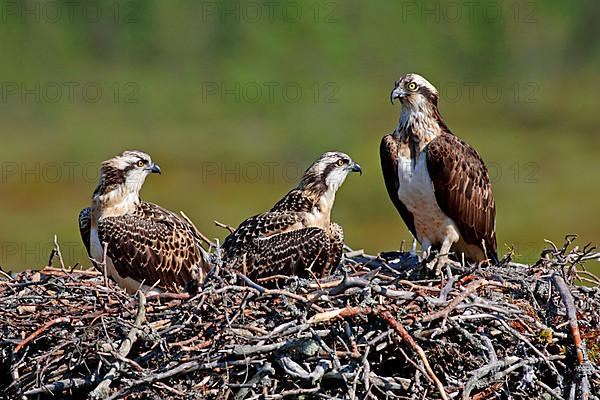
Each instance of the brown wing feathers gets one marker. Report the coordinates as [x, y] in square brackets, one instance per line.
[463, 190]
[277, 242]
[287, 253]
[295, 201]
[262, 225]
[153, 245]
[85, 224]
[336, 247]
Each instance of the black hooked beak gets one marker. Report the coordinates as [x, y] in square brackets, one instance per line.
[155, 169]
[356, 168]
[397, 93]
[396, 84]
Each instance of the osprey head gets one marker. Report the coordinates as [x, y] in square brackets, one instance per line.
[329, 172]
[414, 92]
[126, 172]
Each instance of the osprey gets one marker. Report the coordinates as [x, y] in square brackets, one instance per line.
[438, 183]
[144, 242]
[297, 235]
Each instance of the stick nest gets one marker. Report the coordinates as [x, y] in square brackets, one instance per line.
[379, 327]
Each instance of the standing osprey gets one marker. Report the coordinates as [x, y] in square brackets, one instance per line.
[438, 183]
[145, 243]
[296, 235]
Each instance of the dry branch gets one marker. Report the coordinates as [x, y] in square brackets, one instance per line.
[382, 328]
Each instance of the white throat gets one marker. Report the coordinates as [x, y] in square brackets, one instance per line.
[335, 180]
[326, 201]
[417, 120]
[320, 215]
[117, 202]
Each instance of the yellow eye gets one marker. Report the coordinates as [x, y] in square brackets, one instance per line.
[140, 164]
[412, 86]
[341, 162]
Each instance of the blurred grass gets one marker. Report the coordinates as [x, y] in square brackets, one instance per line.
[543, 155]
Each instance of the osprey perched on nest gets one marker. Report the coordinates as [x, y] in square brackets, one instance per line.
[438, 183]
[145, 243]
[296, 236]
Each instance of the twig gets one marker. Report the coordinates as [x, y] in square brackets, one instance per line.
[457, 300]
[60, 257]
[213, 344]
[41, 330]
[200, 234]
[59, 386]
[104, 265]
[571, 310]
[225, 226]
[393, 322]
[102, 390]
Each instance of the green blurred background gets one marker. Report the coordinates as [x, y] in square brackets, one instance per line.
[233, 98]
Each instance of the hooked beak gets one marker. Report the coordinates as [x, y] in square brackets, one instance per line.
[397, 93]
[356, 168]
[155, 169]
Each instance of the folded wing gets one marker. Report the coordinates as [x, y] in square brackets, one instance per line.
[154, 245]
[463, 190]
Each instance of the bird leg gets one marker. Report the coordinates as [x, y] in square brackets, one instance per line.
[425, 250]
[413, 250]
[442, 258]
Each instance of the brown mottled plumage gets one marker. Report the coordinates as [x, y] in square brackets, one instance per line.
[438, 183]
[297, 234]
[145, 242]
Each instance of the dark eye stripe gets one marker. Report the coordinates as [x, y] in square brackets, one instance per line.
[328, 170]
[427, 93]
